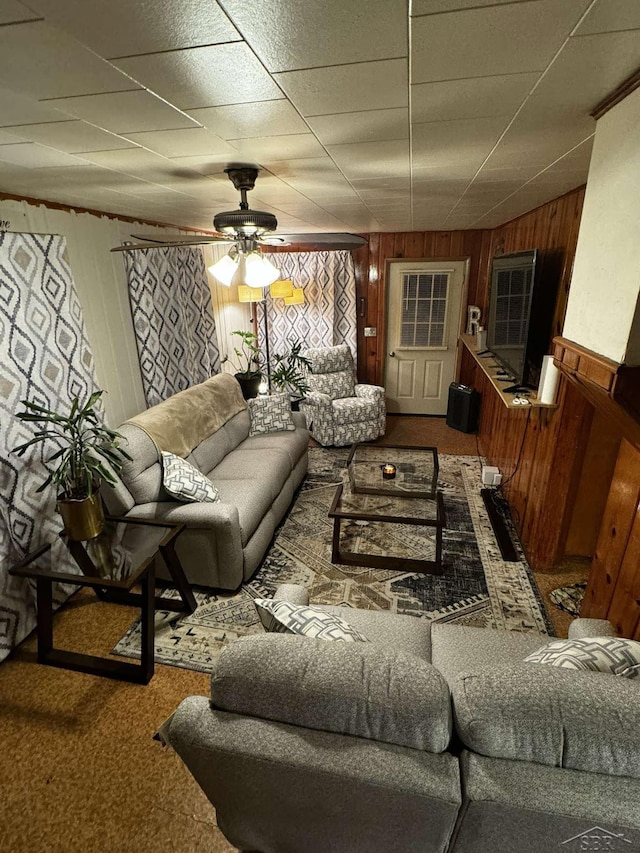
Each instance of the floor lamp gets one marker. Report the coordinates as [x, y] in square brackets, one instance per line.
[281, 289]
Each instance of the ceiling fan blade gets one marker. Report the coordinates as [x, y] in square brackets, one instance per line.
[317, 241]
[169, 241]
[176, 240]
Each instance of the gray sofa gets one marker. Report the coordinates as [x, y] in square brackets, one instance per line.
[429, 738]
[256, 477]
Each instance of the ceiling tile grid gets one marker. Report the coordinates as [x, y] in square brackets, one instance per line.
[486, 115]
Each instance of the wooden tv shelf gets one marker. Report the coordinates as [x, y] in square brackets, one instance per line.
[490, 369]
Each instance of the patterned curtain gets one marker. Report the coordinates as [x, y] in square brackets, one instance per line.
[172, 319]
[328, 316]
[46, 358]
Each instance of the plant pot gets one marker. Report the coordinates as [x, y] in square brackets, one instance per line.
[82, 519]
[249, 384]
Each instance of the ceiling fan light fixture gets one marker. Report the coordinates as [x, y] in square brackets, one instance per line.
[259, 272]
[224, 270]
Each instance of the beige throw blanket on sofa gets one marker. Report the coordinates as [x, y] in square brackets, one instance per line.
[181, 422]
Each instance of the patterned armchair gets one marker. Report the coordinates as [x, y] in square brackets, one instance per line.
[338, 410]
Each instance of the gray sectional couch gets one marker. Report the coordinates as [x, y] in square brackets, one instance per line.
[256, 478]
[432, 737]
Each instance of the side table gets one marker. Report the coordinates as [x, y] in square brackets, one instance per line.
[112, 563]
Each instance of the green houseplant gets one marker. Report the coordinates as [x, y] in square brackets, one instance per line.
[248, 363]
[77, 467]
[290, 373]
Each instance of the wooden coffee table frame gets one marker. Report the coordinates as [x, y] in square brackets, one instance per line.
[118, 592]
[379, 561]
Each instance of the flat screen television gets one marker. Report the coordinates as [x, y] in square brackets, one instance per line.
[522, 300]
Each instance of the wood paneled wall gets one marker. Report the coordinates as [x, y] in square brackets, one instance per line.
[537, 451]
[552, 227]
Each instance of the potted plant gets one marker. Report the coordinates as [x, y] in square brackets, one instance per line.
[77, 468]
[248, 363]
[290, 373]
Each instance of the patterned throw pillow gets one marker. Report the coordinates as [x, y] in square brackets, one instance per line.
[281, 617]
[270, 413]
[599, 654]
[337, 385]
[184, 482]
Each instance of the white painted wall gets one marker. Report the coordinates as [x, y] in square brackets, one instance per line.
[603, 310]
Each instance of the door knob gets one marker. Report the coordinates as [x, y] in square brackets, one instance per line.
[392, 354]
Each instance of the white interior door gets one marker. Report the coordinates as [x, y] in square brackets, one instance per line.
[424, 301]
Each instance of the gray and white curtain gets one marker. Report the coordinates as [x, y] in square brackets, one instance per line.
[172, 319]
[46, 358]
[328, 316]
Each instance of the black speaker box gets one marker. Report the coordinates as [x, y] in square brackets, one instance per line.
[463, 408]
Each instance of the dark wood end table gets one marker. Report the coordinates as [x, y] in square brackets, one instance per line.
[112, 563]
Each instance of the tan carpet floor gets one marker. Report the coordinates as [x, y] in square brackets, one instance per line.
[79, 769]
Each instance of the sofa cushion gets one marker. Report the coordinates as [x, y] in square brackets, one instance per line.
[460, 650]
[294, 444]
[270, 414]
[186, 483]
[611, 655]
[352, 688]
[282, 617]
[553, 716]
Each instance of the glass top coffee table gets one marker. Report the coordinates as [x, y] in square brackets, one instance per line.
[372, 504]
[112, 563]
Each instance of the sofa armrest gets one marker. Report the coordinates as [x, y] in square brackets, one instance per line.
[293, 593]
[282, 787]
[318, 400]
[581, 628]
[192, 514]
[352, 688]
[371, 392]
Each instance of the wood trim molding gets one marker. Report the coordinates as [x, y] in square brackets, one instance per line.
[613, 388]
[625, 88]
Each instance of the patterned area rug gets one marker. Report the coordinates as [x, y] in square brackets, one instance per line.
[569, 598]
[476, 588]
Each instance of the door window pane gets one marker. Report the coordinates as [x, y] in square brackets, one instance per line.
[424, 308]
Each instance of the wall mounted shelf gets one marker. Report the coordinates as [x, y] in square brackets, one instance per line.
[490, 368]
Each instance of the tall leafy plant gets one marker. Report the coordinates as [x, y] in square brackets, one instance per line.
[84, 444]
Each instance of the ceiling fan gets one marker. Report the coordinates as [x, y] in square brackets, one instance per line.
[246, 228]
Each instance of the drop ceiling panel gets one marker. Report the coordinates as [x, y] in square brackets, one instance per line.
[431, 7]
[188, 142]
[11, 11]
[35, 156]
[203, 76]
[125, 112]
[46, 63]
[288, 34]
[365, 159]
[133, 161]
[19, 109]
[500, 98]
[274, 148]
[122, 28]
[347, 88]
[476, 97]
[587, 70]
[367, 126]
[611, 16]
[494, 40]
[71, 136]
[455, 144]
[254, 119]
